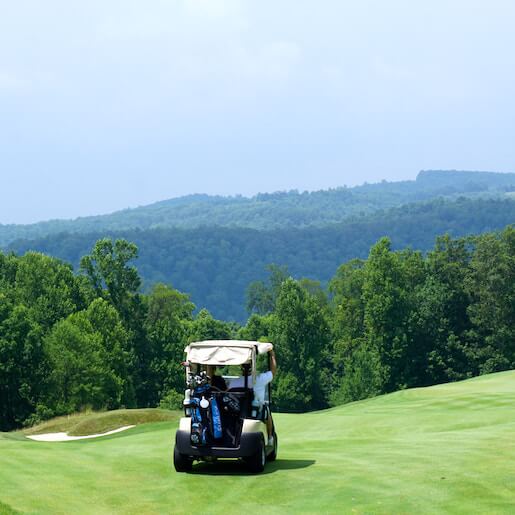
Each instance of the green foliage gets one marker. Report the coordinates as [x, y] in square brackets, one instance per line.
[414, 321]
[169, 316]
[290, 394]
[172, 401]
[107, 323]
[257, 328]
[80, 377]
[205, 327]
[165, 303]
[395, 320]
[390, 278]
[109, 273]
[443, 321]
[259, 298]
[262, 295]
[47, 287]
[348, 309]
[22, 365]
[300, 333]
[215, 265]
[278, 210]
[88, 362]
[491, 284]
[361, 378]
[36, 291]
[112, 277]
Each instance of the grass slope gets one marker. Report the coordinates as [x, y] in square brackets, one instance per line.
[444, 449]
[91, 423]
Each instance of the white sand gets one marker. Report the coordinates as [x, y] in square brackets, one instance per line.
[63, 437]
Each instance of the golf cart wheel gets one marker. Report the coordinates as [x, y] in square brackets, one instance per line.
[181, 462]
[273, 455]
[256, 462]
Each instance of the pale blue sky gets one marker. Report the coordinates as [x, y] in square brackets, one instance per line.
[111, 104]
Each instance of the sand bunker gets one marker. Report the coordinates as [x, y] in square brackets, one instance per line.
[63, 437]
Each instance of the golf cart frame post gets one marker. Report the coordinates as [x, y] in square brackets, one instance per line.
[244, 432]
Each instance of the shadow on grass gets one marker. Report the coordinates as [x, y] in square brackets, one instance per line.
[238, 468]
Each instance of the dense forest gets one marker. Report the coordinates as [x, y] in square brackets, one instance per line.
[291, 209]
[216, 264]
[397, 319]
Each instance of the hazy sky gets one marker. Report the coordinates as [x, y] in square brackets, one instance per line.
[111, 104]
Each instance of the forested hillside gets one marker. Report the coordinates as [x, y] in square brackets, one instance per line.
[395, 320]
[279, 210]
[215, 264]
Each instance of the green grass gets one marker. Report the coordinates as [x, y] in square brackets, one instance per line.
[444, 449]
[89, 423]
[6, 510]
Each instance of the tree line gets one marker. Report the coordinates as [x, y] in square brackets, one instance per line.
[216, 264]
[397, 319]
[283, 209]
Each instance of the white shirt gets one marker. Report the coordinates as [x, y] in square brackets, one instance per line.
[259, 388]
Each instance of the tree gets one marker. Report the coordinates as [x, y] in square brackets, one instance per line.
[491, 285]
[299, 334]
[257, 328]
[109, 273]
[261, 295]
[205, 327]
[315, 290]
[48, 288]
[164, 302]
[22, 364]
[111, 277]
[347, 311]
[443, 321]
[259, 298]
[36, 291]
[115, 338]
[81, 374]
[168, 314]
[390, 280]
[361, 374]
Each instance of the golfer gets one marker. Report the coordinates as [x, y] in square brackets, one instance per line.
[259, 388]
[217, 381]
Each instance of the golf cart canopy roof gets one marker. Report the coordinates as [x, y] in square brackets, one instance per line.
[224, 352]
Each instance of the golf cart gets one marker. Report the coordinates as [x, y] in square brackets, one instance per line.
[219, 422]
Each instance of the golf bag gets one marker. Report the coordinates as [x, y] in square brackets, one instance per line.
[206, 422]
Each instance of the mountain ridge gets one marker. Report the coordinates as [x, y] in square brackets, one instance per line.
[215, 265]
[279, 209]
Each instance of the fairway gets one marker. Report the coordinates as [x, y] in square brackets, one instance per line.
[443, 449]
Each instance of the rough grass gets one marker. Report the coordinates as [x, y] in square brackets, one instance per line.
[6, 510]
[89, 423]
[444, 449]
